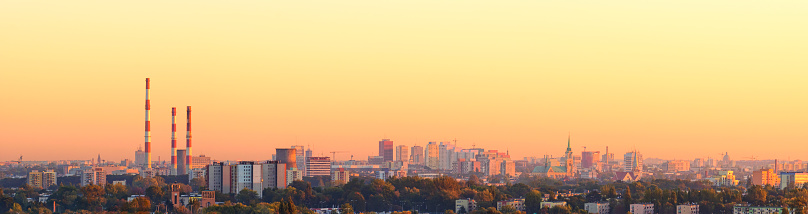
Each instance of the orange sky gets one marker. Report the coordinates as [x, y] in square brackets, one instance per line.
[679, 79]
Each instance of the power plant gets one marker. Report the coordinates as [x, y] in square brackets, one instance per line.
[178, 166]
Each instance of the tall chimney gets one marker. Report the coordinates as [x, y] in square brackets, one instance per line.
[188, 142]
[148, 128]
[173, 140]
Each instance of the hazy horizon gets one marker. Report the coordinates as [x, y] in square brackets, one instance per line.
[685, 79]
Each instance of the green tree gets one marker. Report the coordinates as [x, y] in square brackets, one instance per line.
[247, 196]
[155, 193]
[533, 202]
[93, 197]
[507, 209]
[346, 208]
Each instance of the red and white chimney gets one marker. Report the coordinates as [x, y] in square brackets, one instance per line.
[173, 140]
[148, 128]
[188, 142]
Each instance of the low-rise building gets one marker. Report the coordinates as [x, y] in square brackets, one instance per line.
[518, 203]
[793, 179]
[646, 208]
[466, 205]
[739, 209]
[724, 178]
[551, 204]
[597, 207]
[687, 209]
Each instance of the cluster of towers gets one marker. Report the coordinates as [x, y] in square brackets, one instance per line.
[174, 169]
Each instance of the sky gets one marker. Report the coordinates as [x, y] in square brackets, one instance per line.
[673, 79]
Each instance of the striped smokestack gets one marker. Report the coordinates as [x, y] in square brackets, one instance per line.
[173, 140]
[148, 128]
[188, 142]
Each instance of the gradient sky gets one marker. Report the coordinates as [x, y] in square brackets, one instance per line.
[673, 79]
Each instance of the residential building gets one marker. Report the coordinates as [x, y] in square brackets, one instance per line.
[676, 166]
[765, 177]
[687, 209]
[740, 209]
[36, 179]
[140, 157]
[318, 166]
[340, 176]
[199, 162]
[551, 204]
[646, 208]
[518, 203]
[273, 174]
[287, 156]
[793, 179]
[466, 205]
[93, 176]
[386, 149]
[218, 177]
[724, 178]
[246, 175]
[597, 207]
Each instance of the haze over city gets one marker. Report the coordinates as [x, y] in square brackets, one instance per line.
[681, 80]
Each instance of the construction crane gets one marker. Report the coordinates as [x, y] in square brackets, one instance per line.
[334, 155]
[751, 158]
[17, 161]
[584, 148]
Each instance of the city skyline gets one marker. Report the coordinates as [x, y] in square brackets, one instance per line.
[489, 74]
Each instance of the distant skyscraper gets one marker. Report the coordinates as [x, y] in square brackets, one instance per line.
[589, 158]
[300, 156]
[632, 161]
[402, 153]
[386, 149]
[287, 156]
[432, 153]
[417, 155]
[140, 157]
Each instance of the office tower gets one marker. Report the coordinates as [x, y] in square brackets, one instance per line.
[148, 129]
[446, 155]
[432, 153]
[94, 176]
[632, 161]
[309, 152]
[199, 162]
[274, 174]
[300, 156]
[402, 153]
[318, 166]
[589, 158]
[417, 155]
[182, 168]
[287, 156]
[386, 149]
[140, 157]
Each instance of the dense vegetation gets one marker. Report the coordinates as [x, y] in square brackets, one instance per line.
[407, 194]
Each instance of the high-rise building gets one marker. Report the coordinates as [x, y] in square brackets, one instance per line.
[402, 153]
[246, 175]
[217, 176]
[287, 156]
[94, 176]
[793, 179]
[35, 179]
[417, 155]
[300, 156]
[274, 174]
[589, 158]
[318, 166]
[632, 161]
[765, 177]
[140, 157]
[432, 153]
[340, 176]
[386, 149]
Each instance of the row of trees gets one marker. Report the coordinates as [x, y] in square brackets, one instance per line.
[414, 193]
